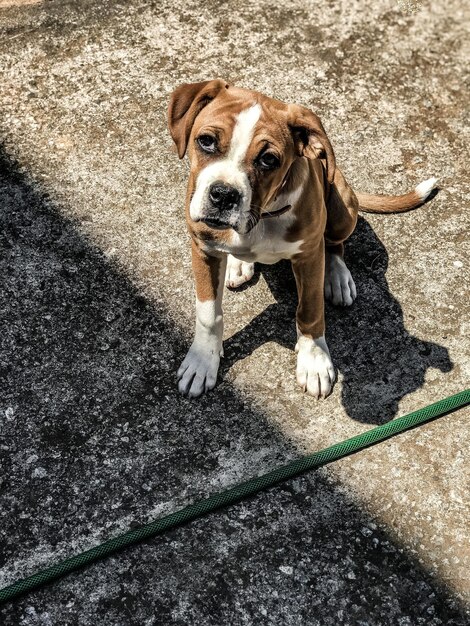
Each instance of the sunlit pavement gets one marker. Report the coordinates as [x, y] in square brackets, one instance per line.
[96, 299]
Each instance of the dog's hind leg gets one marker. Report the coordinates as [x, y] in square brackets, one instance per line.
[238, 272]
[340, 288]
[342, 209]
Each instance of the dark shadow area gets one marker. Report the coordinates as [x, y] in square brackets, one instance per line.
[94, 439]
[380, 361]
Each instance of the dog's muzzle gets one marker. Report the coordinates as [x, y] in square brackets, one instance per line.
[223, 205]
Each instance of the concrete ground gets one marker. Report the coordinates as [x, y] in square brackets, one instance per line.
[96, 300]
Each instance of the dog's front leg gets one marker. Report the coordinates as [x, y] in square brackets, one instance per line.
[198, 372]
[315, 371]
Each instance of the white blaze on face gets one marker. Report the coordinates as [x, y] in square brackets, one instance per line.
[243, 133]
[229, 169]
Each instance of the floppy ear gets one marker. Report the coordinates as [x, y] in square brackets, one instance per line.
[310, 138]
[186, 103]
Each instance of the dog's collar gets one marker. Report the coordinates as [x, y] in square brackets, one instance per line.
[275, 213]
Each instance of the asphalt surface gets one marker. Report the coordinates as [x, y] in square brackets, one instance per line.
[97, 308]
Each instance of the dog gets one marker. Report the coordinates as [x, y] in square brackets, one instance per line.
[264, 186]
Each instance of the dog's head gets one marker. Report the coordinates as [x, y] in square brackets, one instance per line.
[241, 145]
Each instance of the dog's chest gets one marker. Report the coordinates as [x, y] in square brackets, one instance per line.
[266, 243]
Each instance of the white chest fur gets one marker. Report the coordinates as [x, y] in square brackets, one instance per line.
[266, 243]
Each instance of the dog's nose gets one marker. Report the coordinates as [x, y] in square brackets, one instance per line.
[223, 196]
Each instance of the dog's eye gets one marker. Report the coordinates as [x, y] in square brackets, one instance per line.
[268, 161]
[207, 143]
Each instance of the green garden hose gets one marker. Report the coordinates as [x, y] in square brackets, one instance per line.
[236, 493]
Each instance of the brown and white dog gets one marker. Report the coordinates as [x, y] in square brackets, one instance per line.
[264, 186]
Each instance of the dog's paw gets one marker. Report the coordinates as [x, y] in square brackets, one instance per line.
[198, 372]
[238, 272]
[339, 285]
[315, 370]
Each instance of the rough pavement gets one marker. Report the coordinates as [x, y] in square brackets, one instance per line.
[97, 308]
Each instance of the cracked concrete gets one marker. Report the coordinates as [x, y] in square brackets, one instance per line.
[97, 310]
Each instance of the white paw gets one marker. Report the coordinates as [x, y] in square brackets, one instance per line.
[315, 371]
[198, 372]
[238, 272]
[339, 285]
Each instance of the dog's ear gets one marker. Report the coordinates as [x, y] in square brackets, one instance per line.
[310, 138]
[186, 102]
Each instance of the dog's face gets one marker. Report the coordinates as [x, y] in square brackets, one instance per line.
[239, 155]
[241, 146]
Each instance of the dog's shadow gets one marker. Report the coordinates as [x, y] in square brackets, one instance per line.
[379, 360]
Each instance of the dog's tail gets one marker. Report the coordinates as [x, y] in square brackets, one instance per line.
[396, 204]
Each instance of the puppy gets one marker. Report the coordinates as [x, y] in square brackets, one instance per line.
[264, 186]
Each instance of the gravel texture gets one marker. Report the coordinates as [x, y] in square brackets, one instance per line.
[97, 307]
